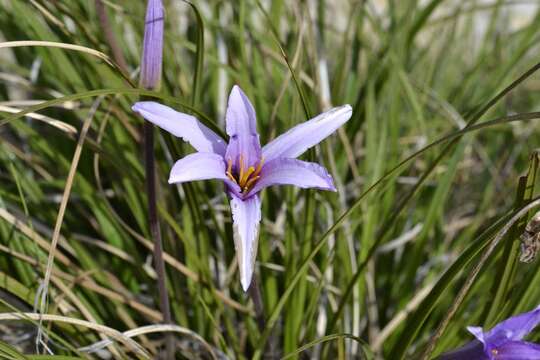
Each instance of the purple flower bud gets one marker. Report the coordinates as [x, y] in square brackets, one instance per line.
[152, 55]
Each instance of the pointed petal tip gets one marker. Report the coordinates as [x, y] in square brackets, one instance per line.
[137, 107]
[181, 125]
[198, 166]
[331, 186]
[301, 137]
[246, 282]
[302, 174]
[245, 277]
[246, 216]
[237, 88]
[346, 109]
[141, 106]
[478, 333]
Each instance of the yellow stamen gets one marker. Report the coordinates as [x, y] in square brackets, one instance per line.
[247, 174]
[229, 170]
[250, 183]
[246, 177]
[241, 168]
[259, 168]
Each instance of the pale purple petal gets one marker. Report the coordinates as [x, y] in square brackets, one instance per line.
[477, 332]
[152, 54]
[297, 140]
[181, 125]
[517, 350]
[242, 128]
[233, 189]
[489, 343]
[472, 350]
[293, 172]
[198, 166]
[516, 327]
[246, 218]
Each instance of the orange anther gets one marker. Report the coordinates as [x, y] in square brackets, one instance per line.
[247, 174]
[259, 168]
[250, 183]
[246, 177]
[229, 171]
[241, 168]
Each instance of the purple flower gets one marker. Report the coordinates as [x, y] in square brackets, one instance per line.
[503, 342]
[243, 165]
[152, 54]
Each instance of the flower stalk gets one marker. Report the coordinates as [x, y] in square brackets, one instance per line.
[151, 64]
[255, 294]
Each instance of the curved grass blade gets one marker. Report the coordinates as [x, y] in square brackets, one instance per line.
[502, 283]
[317, 247]
[473, 274]
[9, 352]
[52, 357]
[286, 58]
[84, 49]
[328, 338]
[387, 225]
[119, 91]
[199, 53]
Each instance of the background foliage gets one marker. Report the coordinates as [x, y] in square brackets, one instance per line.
[370, 271]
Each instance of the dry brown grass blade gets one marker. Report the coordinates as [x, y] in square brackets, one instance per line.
[110, 332]
[62, 210]
[153, 329]
[34, 236]
[46, 119]
[89, 284]
[83, 310]
[84, 49]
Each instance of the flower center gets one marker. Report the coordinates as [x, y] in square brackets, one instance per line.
[246, 177]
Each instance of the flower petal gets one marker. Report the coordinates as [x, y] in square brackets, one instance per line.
[299, 173]
[517, 350]
[242, 129]
[472, 350]
[516, 327]
[477, 332]
[297, 140]
[181, 125]
[246, 218]
[489, 342]
[198, 166]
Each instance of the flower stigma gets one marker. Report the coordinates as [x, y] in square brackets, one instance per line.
[246, 177]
